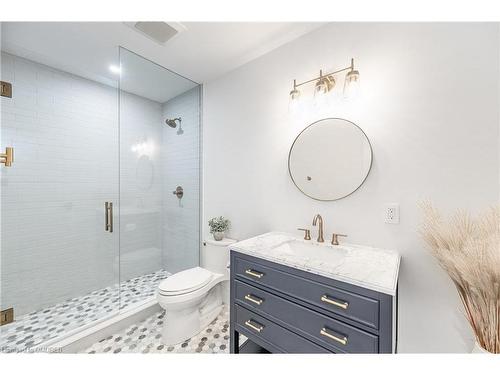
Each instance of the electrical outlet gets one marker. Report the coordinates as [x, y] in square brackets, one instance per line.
[391, 214]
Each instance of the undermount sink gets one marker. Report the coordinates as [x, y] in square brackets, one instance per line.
[309, 250]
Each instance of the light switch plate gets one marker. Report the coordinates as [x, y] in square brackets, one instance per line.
[391, 213]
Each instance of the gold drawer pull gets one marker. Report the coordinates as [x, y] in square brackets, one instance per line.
[253, 325]
[342, 305]
[253, 273]
[254, 299]
[342, 340]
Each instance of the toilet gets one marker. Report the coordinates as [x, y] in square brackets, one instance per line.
[194, 297]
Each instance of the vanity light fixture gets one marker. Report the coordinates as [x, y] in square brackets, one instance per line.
[326, 82]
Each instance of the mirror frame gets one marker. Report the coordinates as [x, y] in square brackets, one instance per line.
[312, 124]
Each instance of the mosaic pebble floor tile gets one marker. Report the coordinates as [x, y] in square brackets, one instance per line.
[39, 326]
[145, 337]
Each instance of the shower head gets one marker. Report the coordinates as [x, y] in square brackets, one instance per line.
[172, 122]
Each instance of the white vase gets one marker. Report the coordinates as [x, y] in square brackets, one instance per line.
[218, 236]
[478, 349]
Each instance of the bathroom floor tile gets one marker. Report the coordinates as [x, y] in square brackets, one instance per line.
[145, 337]
[39, 326]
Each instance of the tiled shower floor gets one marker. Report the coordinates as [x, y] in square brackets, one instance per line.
[145, 337]
[39, 326]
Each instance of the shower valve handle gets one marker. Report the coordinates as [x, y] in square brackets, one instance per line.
[179, 191]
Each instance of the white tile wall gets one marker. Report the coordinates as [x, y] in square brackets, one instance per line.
[181, 162]
[65, 132]
[140, 186]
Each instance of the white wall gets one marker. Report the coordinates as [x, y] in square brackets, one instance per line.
[429, 106]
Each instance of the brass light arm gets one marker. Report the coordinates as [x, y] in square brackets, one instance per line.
[351, 67]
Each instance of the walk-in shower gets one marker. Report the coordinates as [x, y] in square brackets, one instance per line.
[92, 153]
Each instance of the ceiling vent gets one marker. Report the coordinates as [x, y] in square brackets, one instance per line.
[160, 32]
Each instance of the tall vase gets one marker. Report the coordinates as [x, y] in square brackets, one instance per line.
[478, 349]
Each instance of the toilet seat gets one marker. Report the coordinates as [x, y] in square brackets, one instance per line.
[185, 282]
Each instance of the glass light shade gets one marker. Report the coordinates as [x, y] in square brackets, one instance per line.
[294, 94]
[322, 89]
[294, 100]
[351, 84]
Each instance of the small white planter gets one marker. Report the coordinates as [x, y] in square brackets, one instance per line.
[218, 236]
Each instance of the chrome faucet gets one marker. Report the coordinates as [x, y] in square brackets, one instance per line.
[319, 219]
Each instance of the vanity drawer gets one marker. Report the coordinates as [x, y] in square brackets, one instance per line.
[253, 325]
[313, 325]
[362, 309]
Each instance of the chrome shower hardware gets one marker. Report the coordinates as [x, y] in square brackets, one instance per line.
[179, 192]
[173, 122]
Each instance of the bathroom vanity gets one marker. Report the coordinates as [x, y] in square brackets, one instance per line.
[289, 295]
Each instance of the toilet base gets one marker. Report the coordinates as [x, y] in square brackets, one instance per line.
[187, 322]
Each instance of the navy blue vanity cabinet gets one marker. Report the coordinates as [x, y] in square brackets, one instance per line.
[281, 309]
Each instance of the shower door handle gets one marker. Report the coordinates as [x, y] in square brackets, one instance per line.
[108, 217]
[7, 158]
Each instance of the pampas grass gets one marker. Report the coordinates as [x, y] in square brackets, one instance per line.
[468, 249]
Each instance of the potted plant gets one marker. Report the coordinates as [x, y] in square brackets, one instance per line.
[218, 226]
[469, 251]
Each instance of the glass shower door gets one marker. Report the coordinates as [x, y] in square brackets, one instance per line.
[59, 249]
[159, 176]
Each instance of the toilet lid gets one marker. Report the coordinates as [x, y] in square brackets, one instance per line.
[185, 281]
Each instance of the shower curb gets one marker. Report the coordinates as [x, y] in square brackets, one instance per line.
[83, 337]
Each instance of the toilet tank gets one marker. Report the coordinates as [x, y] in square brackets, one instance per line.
[215, 255]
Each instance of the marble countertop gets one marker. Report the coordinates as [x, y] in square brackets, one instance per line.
[364, 266]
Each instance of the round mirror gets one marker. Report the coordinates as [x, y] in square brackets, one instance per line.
[330, 159]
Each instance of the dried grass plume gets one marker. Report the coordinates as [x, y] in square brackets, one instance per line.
[468, 249]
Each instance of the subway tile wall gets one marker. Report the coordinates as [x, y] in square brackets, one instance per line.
[181, 162]
[65, 132]
[140, 186]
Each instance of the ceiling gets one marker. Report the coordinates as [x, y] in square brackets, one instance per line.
[202, 52]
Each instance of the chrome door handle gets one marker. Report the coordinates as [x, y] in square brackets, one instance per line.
[255, 326]
[342, 340]
[253, 273]
[342, 304]
[108, 217]
[256, 300]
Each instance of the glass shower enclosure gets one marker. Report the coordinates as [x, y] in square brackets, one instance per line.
[102, 198]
